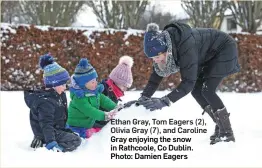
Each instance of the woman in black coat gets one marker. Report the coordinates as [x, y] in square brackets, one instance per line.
[203, 57]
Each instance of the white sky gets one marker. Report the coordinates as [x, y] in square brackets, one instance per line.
[87, 18]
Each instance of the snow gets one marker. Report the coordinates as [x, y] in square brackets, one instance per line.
[7, 27]
[37, 71]
[88, 32]
[132, 32]
[7, 61]
[245, 109]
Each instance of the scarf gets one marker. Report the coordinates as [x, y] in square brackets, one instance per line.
[170, 66]
[115, 89]
[82, 92]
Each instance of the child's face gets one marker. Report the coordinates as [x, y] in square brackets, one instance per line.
[91, 85]
[161, 58]
[60, 89]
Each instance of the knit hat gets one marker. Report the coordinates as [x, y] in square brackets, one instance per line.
[122, 74]
[154, 42]
[84, 72]
[54, 74]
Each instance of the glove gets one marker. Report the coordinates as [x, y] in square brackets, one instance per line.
[130, 103]
[156, 103]
[54, 146]
[110, 115]
[36, 143]
[143, 98]
[136, 102]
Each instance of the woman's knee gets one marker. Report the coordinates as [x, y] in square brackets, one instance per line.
[208, 93]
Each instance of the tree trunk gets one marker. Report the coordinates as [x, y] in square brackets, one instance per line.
[205, 13]
[247, 14]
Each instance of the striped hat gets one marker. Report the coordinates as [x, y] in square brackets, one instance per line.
[84, 72]
[54, 74]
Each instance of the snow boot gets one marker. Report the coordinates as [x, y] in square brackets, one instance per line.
[209, 111]
[215, 134]
[225, 130]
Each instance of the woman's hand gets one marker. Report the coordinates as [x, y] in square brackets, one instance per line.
[156, 103]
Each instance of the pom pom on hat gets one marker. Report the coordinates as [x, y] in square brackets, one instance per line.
[152, 27]
[45, 60]
[127, 61]
[84, 72]
[154, 41]
[83, 63]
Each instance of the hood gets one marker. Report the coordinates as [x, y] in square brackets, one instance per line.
[180, 31]
[32, 96]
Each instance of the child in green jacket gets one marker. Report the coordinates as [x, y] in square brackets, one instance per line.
[86, 100]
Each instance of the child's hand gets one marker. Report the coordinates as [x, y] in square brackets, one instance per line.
[110, 115]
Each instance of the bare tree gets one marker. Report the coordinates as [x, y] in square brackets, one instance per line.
[205, 13]
[118, 14]
[54, 13]
[108, 13]
[9, 11]
[154, 14]
[132, 11]
[247, 14]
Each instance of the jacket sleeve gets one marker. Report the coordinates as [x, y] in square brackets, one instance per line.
[46, 112]
[106, 103]
[88, 110]
[152, 85]
[64, 99]
[188, 70]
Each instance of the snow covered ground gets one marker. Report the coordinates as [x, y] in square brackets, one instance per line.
[246, 120]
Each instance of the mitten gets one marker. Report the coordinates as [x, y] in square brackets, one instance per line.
[110, 115]
[54, 146]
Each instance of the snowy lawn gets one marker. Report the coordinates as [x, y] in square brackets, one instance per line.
[246, 120]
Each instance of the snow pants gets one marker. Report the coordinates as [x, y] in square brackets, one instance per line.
[84, 132]
[69, 141]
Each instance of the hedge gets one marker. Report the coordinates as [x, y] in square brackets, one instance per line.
[21, 46]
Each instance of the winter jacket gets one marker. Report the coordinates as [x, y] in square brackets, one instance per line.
[48, 112]
[110, 94]
[107, 92]
[195, 51]
[83, 112]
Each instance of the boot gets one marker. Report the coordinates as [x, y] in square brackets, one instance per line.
[225, 131]
[209, 111]
[216, 133]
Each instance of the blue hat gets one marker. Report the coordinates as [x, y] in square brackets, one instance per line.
[84, 72]
[154, 42]
[54, 74]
